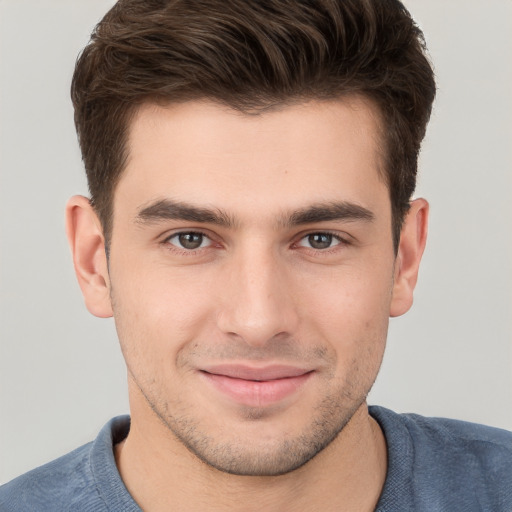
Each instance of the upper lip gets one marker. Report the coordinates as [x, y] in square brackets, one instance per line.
[246, 372]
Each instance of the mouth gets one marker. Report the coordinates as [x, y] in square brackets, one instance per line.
[256, 387]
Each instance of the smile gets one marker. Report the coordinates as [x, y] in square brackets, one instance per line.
[256, 387]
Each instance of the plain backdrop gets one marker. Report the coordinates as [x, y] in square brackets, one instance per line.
[61, 373]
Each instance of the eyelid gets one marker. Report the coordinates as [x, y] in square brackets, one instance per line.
[204, 238]
[344, 241]
[343, 238]
[334, 241]
[168, 245]
[182, 231]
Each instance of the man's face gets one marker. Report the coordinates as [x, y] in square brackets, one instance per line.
[251, 274]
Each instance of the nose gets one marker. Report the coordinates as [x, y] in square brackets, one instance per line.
[257, 301]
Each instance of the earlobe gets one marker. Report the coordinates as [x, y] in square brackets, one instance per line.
[412, 244]
[87, 243]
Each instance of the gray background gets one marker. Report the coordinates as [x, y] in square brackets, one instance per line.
[61, 373]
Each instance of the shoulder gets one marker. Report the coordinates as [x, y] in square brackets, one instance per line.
[448, 461]
[84, 479]
[489, 445]
[55, 483]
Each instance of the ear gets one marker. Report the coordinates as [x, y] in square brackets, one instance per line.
[412, 243]
[85, 237]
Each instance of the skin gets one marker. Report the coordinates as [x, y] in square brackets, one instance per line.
[280, 276]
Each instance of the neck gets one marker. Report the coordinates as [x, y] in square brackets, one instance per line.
[161, 474]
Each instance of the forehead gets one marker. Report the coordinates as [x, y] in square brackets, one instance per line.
[202, 151]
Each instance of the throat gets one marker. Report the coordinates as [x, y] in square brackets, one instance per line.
[348, 475]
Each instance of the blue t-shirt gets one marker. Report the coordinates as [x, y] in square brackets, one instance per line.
[434, 465]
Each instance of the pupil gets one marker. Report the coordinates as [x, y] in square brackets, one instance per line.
[320, 240]
[191, 240]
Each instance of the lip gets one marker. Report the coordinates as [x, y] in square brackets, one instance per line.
[256, 386]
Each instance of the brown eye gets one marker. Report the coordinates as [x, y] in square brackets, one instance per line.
[189, 240]
[319, 241]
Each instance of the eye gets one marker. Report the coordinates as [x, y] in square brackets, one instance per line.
[189, 240]
[319, 241]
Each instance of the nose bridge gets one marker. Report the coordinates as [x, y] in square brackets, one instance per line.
[257, 304]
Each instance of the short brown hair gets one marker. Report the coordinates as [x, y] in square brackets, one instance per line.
[251, 55]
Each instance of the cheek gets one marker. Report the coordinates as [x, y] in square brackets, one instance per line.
[157, 313]
[353, 293]
[351, 313]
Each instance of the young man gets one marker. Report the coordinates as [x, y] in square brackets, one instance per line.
[251, 230]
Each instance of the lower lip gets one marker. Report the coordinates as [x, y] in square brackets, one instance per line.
[257, 393]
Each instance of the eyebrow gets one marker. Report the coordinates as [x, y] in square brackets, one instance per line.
[167, 209]
[324, 212]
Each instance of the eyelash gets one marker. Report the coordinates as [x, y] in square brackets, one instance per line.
[182, 251]
[342, 242]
